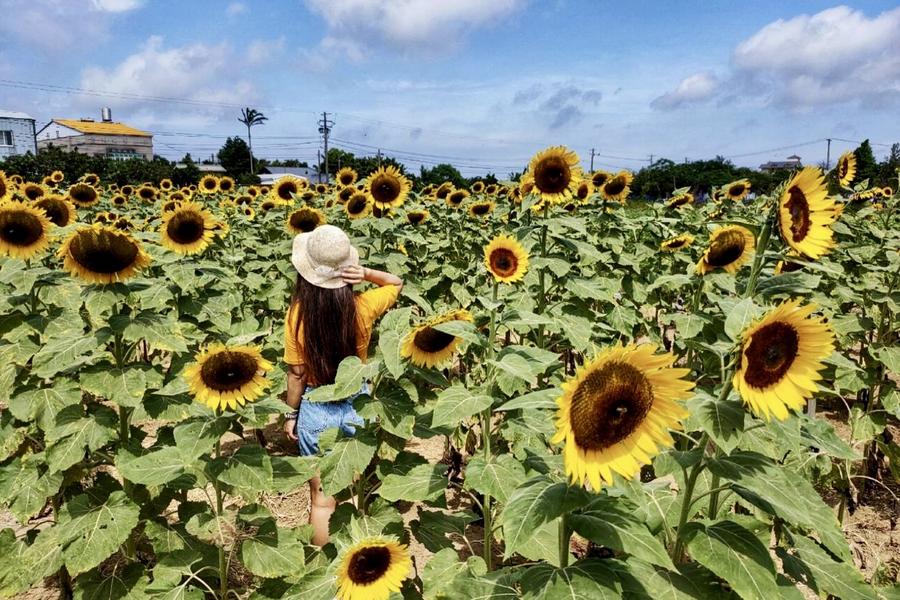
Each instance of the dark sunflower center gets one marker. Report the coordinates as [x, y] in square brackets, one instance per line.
[244, 200]
[737, 190]
[415, 218]
[385, 189]
[582, 192]
[552, 175]
[369, 564]
[227, 371]
[146, 193]
[286, 190]
[56, 211]
[357, 205]
[33, 192]
[431, 340]
[185, 228]
[770, 354]
[726, 248]
[456, 198]
[481, 209]
[209, 184]
[304, 221]
[504, 262]
[3, 187]
[679, 201]
[798, 208]
[119, 200]
[569, 207]
[225, 185]
[599, 179]
[268, 205]
[83, 195]
[790, 267]
[20, 228]
[345, 194]
[615, 186]
[169, 206]
[675, 243]
[103, 252]
[441, 194]
[346, 179]
[845, 166]
[609, 405]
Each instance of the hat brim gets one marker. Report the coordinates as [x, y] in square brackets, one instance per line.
[300, 260]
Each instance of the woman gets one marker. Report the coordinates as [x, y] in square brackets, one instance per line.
[326, 323]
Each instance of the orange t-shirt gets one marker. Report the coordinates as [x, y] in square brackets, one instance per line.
[369, 306]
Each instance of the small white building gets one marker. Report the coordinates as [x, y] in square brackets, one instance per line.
[17, 135]
[269, 175]
[105, 138]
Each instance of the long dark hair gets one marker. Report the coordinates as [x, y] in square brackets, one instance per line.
[329, 327]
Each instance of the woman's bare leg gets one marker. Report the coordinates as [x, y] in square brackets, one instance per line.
[321, 509]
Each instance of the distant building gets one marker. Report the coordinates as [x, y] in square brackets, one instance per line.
[205, 169]
[792, 162]
[268, 175]
[16, 134]
[106, 137]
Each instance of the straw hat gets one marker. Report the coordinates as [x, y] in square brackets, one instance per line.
[321, 254]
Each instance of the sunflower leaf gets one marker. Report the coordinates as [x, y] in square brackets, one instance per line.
[739, 316]
[498, 477]
[274, 552]
[455, 404]
[348, 457]
[806, 561]
[89, 533]
[590, 579]
[125, 387]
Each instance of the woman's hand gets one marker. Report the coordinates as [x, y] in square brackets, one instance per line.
[353, 274]
[290, 428]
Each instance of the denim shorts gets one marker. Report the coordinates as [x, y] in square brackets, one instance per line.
[316, 417]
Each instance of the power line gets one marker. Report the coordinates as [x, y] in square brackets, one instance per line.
[769, 150]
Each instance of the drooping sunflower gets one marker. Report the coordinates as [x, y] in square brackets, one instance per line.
[344, 194]
[416, 217]
[846, 168]
[166, 185]
[729, 248]
[83, 195]
[346, 176]
[388, 187]
[477, 187]
[506, 259]
[170, 205]
[226, 184]
[481, 209]
[103, 218]
[57, 176]
[101, 254]
[92, 179]
[514, 194]
[737, 190]
[456, 198]
[227, 376]
[372, 569]
[33, 191]
[677, 243]
[680, 200]
[358, 206]
[209, 184]
[599, 177]
[24, 230]
[806, 213]
[555, 173]
[426, 346]
[443, 191]
[616, 412]
[187, 228]
[781, 356]
[220, 229]
[5, 188]
[304, 220]
[584, 190]
[16, 180]
[58, 209]
[147, 193]
[617, 187]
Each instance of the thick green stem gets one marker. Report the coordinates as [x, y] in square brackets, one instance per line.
[687, 501]
[762, 244]
[564, 535]
[488, 539]
[542, 294]
[220, 501]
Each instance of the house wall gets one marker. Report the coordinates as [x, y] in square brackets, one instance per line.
[98, 145]
[22, 136]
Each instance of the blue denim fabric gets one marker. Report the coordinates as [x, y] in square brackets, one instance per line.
[316, 417]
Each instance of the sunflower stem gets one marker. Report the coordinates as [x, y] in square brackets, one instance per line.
[542, 296]
[488, 545]
[565, 534]
[762, 244]
[223, 565]
[687, 501]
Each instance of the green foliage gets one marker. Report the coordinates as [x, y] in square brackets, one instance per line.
[866, 165]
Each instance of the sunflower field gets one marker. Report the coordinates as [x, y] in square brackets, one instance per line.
[578, 395]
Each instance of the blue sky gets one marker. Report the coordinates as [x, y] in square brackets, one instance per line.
[487, 83]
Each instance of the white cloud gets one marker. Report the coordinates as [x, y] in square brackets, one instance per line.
[235, 8]
[835, 56]
[691, 90]
[262, 51]
[405, 25]
[117, 5]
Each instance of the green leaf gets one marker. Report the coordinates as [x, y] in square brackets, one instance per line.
[433, 527]
[545, 399]
[349, 457]
[643, 581]
[76, 432]
[290, 473]
[441, 569]
[782, 492]
[497, 477]
[688, 325]
[160, 331]
[735, 554]
[198, 437]
[153, 468]
[24, 565]
[393, 408]
[351, 374]
[723, 421]
[423, 483]
[809, 563]
[590, 579]
[63, 354]
[889, 356]
[248, 471]
[42, 405]
[124, 583]
[125, 387]
[455, 404]
[274, 552]
[91, 533]
[25, 486]
[739, 317]
[461, 329]
[389, 344]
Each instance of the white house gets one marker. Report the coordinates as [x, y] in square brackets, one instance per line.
[16, 134]
[106, 137]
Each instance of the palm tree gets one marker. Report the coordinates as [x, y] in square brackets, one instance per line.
[250, 117]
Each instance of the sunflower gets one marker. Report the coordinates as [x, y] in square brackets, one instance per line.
[220, 229]
[227, 376]
[147, 193]
[787, 266]
[358, 206]
[268, 205]
[514, 194]
[187, 192]
[226, 184]
[23, 230]
[583, 191]
[5, 188]
[127, 189]
[781, 356]
[417, 217]
[481, 209]
[17, 180]
[344, 194]
[209, 184]
[599, 177]
[428, 190]
[304, 220]
[187, 228]
[57, 176]
[887, 191]
[490, 189]
[253, 191]
[248, 212]
[372, 569]
[48, 183]
[345, 176]
[244, 199]
[382, 212]
[426, 346]
[477, 187]
[321, 188]
[615, 413]
[526, 185]
[83, 195]
[58, 209]
[456, 198]
[308, 195]
[806, 214]
[680, 200]
[170, 205]
[616, 188]
[33, 191]
[123, 224]
[287, 187]
[102, 218]
[846, 168]
[166, 185]
[555, 173]
[119, 200]
[729, 248]
[506, 259]
[737, 190]
[443, 190]
[677, 243]
[388, 187]
[100, 254]
[91, 179]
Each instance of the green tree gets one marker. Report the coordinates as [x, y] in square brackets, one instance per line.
[888, 170]
[441, 173]
[251, 117]
[866, 166]
[235, 157]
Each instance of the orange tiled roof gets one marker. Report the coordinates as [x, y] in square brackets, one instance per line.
[101, 127]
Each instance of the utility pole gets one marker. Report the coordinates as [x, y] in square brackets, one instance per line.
[592, 160]
[651, 160]
[828, 154]
[318, 164]
[379, 158]
[325, 126]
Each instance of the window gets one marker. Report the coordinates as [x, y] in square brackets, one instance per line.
[6, 138]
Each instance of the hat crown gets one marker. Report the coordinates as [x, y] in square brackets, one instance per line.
[328, 246]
